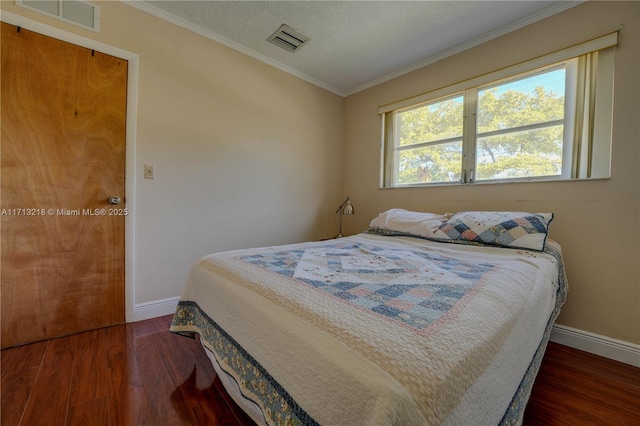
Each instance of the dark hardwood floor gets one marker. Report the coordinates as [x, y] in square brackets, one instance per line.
[140, 374]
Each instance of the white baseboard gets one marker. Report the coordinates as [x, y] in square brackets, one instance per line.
[607, 347]
[157, 308]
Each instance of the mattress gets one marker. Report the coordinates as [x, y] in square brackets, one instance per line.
[375, 329]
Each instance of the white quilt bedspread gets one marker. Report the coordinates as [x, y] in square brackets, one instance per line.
[372, 329]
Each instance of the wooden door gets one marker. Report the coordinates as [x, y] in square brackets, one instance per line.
[62, 158]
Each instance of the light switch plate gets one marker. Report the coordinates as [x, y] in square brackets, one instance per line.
[149, 171]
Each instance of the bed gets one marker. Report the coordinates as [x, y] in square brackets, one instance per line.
[423, 319]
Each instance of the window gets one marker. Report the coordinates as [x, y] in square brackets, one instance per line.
[528, 122]
[429, 140]
[520, 126]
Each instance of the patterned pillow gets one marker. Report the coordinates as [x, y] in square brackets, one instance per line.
[504, 229]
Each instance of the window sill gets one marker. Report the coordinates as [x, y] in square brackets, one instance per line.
[492, 182]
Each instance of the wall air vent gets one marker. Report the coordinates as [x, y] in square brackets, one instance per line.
[77, 12]
[288, 38]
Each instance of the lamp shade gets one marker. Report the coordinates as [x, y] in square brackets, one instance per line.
[347, 207]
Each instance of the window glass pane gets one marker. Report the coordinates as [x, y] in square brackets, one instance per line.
[434, 163]
[520, 154]
[433, 122]
[526, 101]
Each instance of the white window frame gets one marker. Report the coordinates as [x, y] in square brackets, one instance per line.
[573, 127]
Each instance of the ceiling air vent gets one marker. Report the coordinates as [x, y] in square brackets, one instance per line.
[288, 38]
[76, 12]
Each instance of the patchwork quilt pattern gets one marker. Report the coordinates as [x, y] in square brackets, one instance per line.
[413, 375]
[503, 233]
[414, 287]
[504, 229]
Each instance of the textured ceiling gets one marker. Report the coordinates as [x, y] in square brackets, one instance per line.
[354, 44]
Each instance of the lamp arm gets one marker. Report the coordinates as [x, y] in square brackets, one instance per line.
[342, 205]
[341, 211]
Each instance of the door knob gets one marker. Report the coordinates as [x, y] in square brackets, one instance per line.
[114, 200]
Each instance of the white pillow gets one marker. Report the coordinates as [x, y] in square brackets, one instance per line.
[409, 222]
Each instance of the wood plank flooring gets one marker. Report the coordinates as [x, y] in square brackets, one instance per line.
[140, 374]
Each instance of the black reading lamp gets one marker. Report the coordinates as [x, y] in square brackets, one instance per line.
[345, 208]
